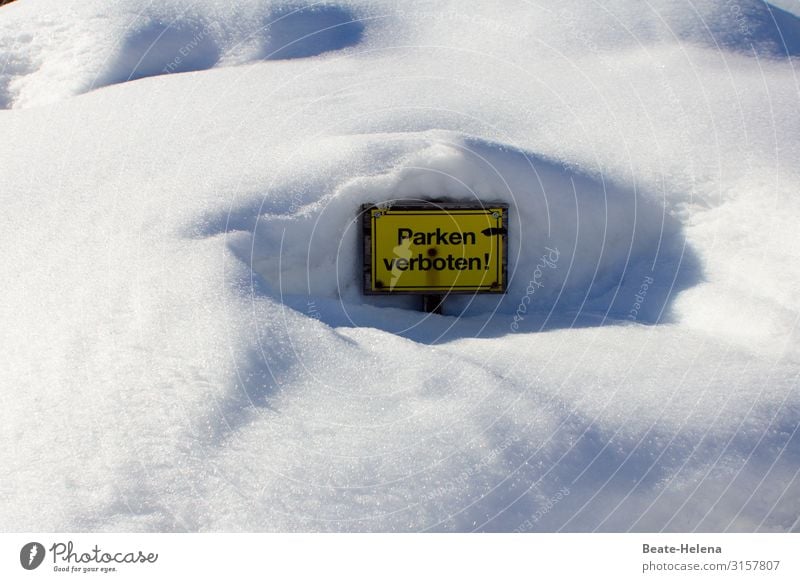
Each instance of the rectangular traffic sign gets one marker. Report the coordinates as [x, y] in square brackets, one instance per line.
[435, 247]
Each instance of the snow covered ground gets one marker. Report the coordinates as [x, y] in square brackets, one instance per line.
[185, 346]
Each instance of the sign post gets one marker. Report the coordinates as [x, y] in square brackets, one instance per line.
[435, 249]
[432, 303]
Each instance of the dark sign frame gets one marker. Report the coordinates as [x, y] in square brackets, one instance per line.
[429, 206]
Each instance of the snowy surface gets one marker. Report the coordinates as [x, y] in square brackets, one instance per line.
[185, 346]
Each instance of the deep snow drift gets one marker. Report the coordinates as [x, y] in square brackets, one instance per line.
[185, 343]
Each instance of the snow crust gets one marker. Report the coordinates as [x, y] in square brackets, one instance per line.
[186, 347]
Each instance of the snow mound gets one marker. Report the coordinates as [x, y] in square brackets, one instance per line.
[756, 27]
[82, 46]
[185, 346]
[156, 48]
[574, 28]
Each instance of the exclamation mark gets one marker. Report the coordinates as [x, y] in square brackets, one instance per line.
[486, 261]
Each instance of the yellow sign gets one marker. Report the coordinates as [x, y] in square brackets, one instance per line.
[435, 248]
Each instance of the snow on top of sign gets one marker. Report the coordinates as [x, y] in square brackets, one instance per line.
[185, 345]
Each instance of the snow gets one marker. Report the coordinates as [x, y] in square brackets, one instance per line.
[186, 347]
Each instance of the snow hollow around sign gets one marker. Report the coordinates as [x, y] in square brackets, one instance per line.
[185, 343]
[586, 245]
